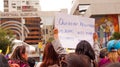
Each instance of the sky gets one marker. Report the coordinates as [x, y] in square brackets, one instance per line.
[1, 5]
[54, 5]
[50, 5]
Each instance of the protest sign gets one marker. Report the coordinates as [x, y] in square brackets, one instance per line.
[72, 29]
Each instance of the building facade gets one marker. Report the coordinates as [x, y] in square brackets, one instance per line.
[22, 17]
[105, 12]
[21, 5]
[26, 26]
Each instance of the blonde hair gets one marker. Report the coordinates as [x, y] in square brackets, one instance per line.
[118, 52]
[113, 56]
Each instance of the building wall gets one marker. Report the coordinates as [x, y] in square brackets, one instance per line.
[106, 14]
[48, 19]
[21, 5]
[29, 31]
[98, 7]
[6, 6]
[105, 8]
[47, 32]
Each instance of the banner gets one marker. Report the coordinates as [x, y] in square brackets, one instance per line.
[72, 29]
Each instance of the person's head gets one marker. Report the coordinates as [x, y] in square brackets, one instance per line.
[31, 61]
[50, 57]
[19, 53]
[103, 53]
[3, 61]
[113, 47]
[84, 47]
[75, 60]
[113, 65]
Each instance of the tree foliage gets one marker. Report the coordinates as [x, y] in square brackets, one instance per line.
[6, 38]
[115, 36]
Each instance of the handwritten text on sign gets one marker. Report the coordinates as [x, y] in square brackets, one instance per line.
[73, 29]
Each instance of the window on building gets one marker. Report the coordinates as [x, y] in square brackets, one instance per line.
[43, 41]
[13, 6]
[18, 3]
[43, 31]
[6, 3]
[18, 8]
[5, 10]
[13, 3]
[36, 3]
[23, 1]
[83, 8]
[46, 31]
[27, 2]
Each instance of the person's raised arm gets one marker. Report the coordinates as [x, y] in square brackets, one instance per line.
[56, 43]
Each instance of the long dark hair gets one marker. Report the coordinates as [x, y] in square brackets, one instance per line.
[75, 60]
[17, 54]
[84, 47]
[50, 57]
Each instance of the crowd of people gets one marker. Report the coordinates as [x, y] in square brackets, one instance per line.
[55, 55]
